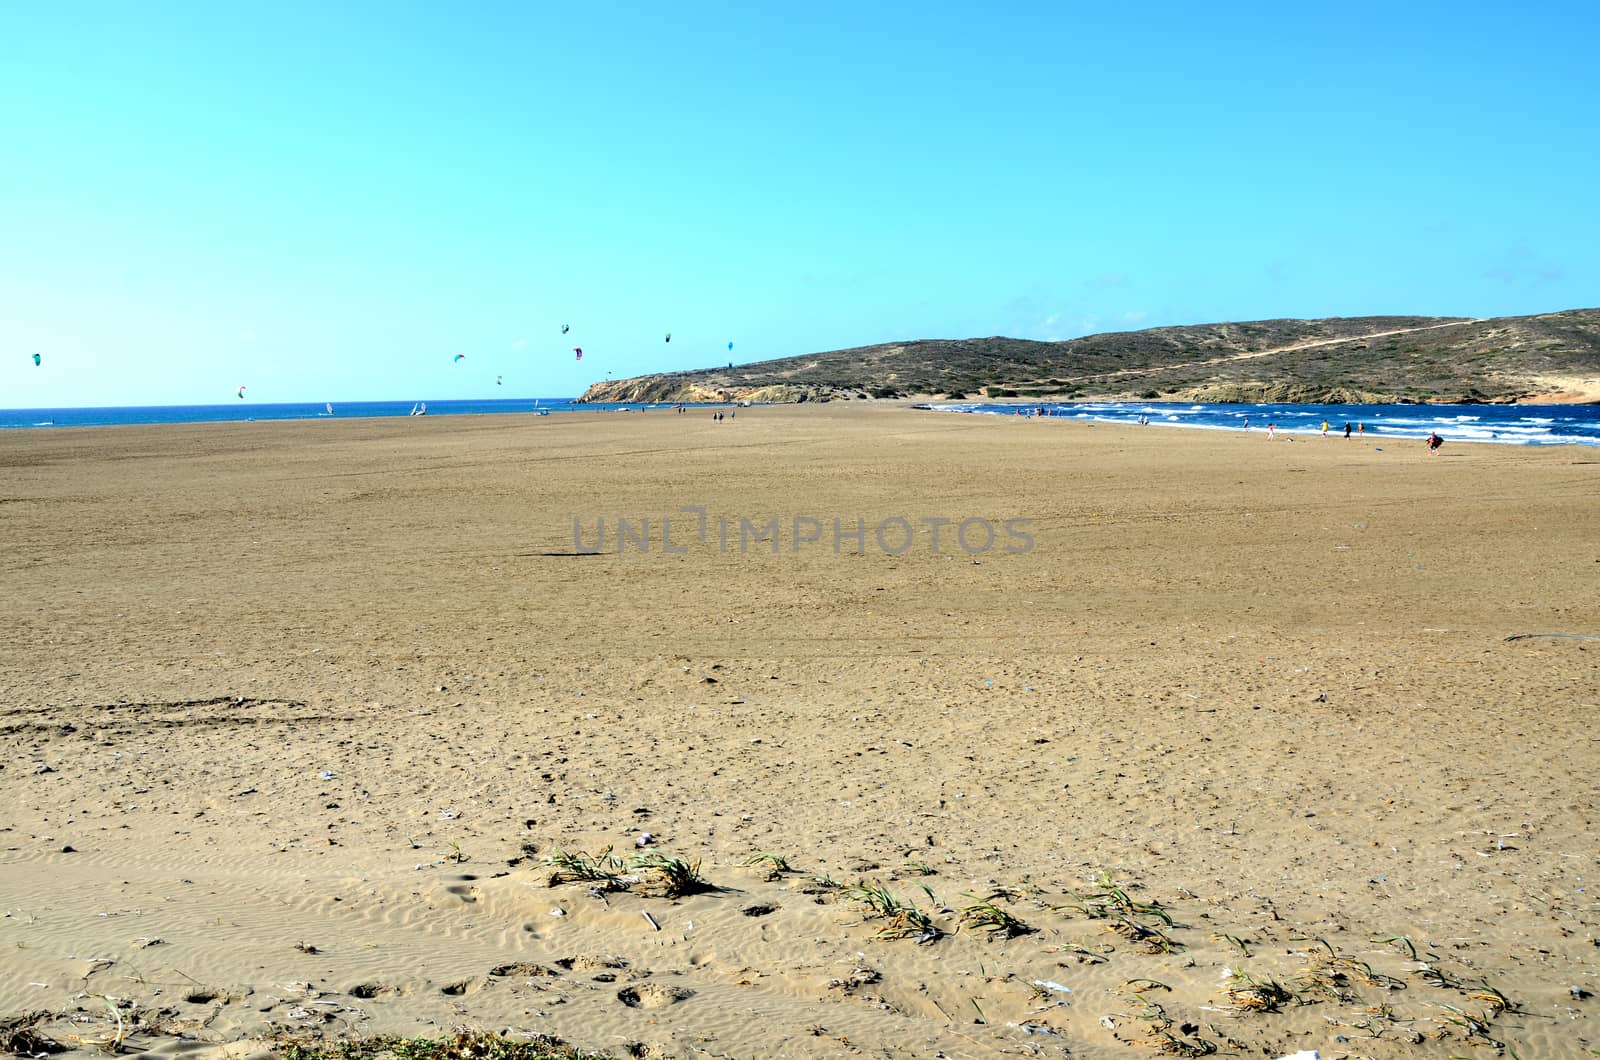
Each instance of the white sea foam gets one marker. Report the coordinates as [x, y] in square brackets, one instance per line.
[1411, 422]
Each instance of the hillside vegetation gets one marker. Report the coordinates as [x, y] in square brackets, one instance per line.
[1551, 357]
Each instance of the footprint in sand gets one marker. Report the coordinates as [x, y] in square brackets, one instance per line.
[524, 969]
[652, 995]
[368, 991]
[589, 962]
[465, 986]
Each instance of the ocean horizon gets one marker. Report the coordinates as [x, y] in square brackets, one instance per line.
[252, 412]
[1502, 424]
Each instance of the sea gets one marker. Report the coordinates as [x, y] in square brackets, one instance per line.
[250, 412]
[1504, 424]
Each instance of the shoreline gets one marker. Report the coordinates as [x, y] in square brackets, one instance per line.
[1083, 412]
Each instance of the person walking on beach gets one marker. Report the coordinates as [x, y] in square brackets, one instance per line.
[1272, 429]
[1361, 429]
[1324, 428]
[1347, 429]
[1434, 441]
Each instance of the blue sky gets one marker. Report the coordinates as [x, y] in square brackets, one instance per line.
[327, 201]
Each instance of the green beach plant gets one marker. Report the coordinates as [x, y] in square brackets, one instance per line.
[1170, 1044]
[875, 895]
[1112, 901]
[604, 868]
[775, 864]
[1238, 943]
[913, 867]
[989, 917]
[1433, 976]
[1250, 994]
[1473, 1026]
[1336, 967]
[1402, 940]
[1152, 938]
[902, 919]
[1084, 953]
[909, 922]
[822, 883]
[675, 876]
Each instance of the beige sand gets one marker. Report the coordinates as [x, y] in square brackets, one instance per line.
[302, 697]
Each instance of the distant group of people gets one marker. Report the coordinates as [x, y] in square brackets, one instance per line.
[1272, 429]
[1434, 440]
[720, 416]
[1350, 429]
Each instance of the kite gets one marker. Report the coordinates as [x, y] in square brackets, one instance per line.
[497, 380]
[458, 357]
[241, 393]
[36, 360]
[579, 351]
[730, 345]
[565, 328]
[669, 336]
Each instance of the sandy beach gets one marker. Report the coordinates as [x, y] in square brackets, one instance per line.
[1219, 743]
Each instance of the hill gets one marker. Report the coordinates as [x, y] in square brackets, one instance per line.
[1550, 357]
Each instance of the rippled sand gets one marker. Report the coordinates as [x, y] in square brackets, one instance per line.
[295, 713]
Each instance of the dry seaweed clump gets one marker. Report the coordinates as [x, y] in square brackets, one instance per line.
[19, 1038]
[467, 1045]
